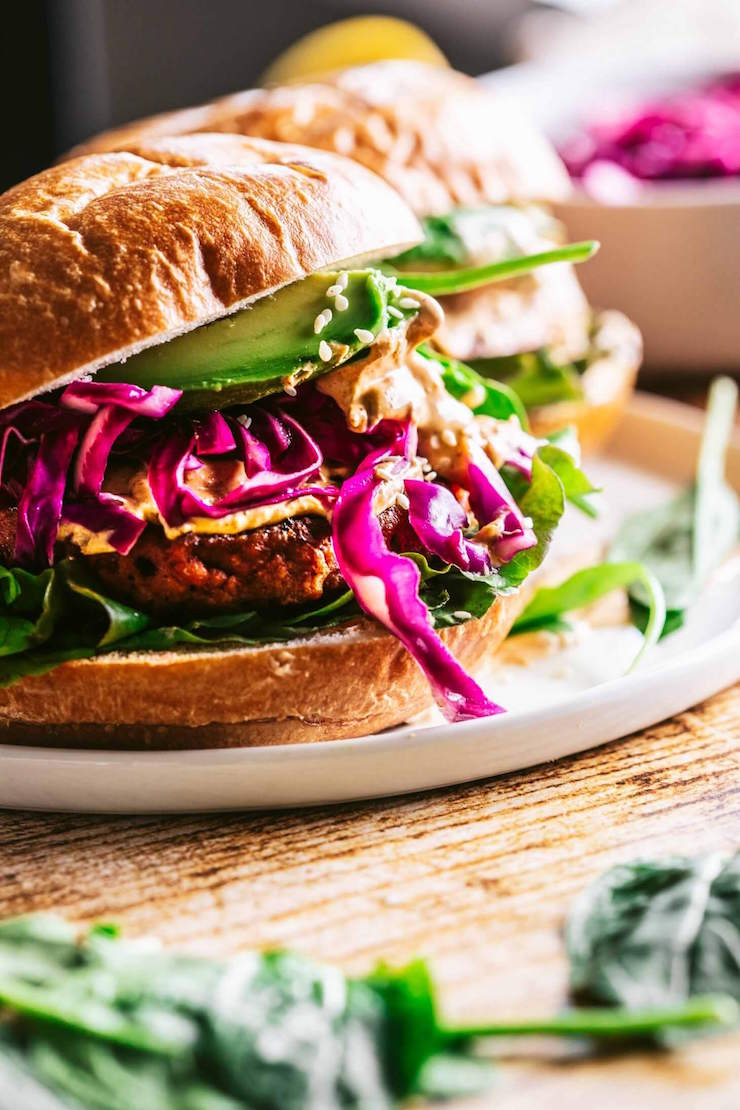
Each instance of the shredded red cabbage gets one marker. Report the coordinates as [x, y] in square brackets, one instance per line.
[516, 447]
[438, 520]
[90, 396]
[492, 503]
[391, 437]
[59, 428]
[292, 457]
[213, 435]
[255, 454]
[92, 457]
[11, 430]
[40, 506]
[340, 446]
[691, 134]
[386, 587]
[106, 514]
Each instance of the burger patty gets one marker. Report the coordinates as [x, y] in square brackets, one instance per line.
[288, 563]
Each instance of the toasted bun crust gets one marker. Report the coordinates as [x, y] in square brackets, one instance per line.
[607, 385]
[104, 255]
[439, 137]
[346, 682]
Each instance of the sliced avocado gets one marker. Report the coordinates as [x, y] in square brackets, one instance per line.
[272, 343]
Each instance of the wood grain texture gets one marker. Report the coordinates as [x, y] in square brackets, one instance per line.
[478, 878]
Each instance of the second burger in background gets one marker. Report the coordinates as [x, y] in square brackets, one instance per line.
[480, 177]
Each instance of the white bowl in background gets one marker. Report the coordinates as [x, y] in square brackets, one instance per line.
[669, 259]
[671, 262]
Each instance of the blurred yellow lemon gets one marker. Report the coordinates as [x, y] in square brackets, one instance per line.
[352, 42]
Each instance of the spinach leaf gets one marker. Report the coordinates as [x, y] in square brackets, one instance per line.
[119, 621]
[30, 602]
[442, 242]
[657, 933]
[550, 603]
[453, 596]
[114, 1025]
[493, 398]
[535, 377]
[441, 283]
[109, 1025]
[683, 541]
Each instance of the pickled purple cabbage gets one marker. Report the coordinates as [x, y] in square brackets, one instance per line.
[694, 133]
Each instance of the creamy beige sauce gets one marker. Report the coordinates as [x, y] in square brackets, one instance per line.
[211, 482]
[368, 387]
[384, 389]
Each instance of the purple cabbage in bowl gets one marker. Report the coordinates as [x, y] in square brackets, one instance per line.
[686, 135]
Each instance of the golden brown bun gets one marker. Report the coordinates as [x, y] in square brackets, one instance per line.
[441, 138]
[346, 682]
[607, 385]
[105, 255]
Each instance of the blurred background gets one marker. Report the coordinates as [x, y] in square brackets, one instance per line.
[74, 67]
[89, 64]
[669, 253]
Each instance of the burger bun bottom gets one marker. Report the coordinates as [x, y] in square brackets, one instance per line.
[345, 682]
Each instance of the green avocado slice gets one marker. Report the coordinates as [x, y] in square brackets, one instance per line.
[272, 343]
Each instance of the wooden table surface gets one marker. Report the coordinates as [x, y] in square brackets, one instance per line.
[477, 877]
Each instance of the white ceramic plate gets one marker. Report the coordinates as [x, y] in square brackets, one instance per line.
[566, 699]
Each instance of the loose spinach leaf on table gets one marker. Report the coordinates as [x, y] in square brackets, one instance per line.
[116, 1025]
[683, 541]
[102, 1024]
[657, 933]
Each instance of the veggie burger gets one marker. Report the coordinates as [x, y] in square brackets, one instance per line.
[480, 178]
[242, 500]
